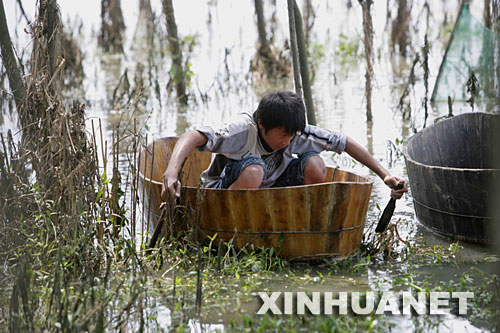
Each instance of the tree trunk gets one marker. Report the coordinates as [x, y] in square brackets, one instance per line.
[293, 47]
[400, 33]
[368, 42]
[145, 5]
[274, 22]
[261, 27]
[495, 14]
[145, 9]
[112, 26]
[10, 62]
[309, 18]
[487, 14]
[52, 33]
[264, 47]
[177, 71]
[304, 71]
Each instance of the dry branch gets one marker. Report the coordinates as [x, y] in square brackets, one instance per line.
[368, 42]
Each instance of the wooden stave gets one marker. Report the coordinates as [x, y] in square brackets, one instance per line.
[295, 245]
[458, 204]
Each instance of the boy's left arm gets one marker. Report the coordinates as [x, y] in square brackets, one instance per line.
[360, 154]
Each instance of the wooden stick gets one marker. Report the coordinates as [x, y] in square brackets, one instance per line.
[434, 91]
[98, 178]
[143, 188]
[113, 186]
[134, 187]
[157, 231]
[100, 231]
[151, 186]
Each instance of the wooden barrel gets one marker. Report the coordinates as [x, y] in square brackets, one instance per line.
[306, 222]
[450, 169]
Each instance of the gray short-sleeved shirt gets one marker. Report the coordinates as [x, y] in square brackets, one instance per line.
[240, 139]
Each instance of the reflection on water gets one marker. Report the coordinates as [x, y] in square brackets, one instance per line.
[119, 88]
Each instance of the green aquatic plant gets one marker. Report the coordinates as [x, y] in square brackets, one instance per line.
[347, 48]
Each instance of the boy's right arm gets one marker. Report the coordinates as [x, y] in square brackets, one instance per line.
[186, 143]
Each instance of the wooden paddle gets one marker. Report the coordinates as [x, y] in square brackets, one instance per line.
[388, 211]
[161, 220]
[157, 231]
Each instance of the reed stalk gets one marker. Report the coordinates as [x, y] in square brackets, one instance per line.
[9, 60]
[114, 184]
[133, 195]
[294, 48]
[150, 186]
[425, 65]
[200, 199]
[100, 232]
[144, 189]
[368, 43]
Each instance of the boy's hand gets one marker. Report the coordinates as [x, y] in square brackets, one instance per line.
[173, 185]
[392, 182]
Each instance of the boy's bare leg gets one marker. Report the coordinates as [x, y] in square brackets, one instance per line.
[250, 177]
[315, 170]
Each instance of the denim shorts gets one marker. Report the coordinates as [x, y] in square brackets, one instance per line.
[292, 176]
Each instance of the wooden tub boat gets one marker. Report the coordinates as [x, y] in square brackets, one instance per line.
[450, 169]
[305, 222]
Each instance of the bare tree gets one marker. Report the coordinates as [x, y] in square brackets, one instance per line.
[146, 11]
[400, 33]
[177, 70]
[269, 60]
[309, 18]
[112, 26]
[261, 27]
[264, 51]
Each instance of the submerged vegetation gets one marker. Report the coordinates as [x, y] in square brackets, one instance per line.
[74, 239]
[79, 283]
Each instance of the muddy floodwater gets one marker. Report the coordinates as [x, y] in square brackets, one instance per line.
[219, 44]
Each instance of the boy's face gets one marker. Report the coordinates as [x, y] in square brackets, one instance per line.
[276, 138]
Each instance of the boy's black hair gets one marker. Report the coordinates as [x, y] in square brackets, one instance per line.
[282, 109]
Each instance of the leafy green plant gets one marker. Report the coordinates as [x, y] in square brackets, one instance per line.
[347, 48]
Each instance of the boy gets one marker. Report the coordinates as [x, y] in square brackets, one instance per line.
[256, 151]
